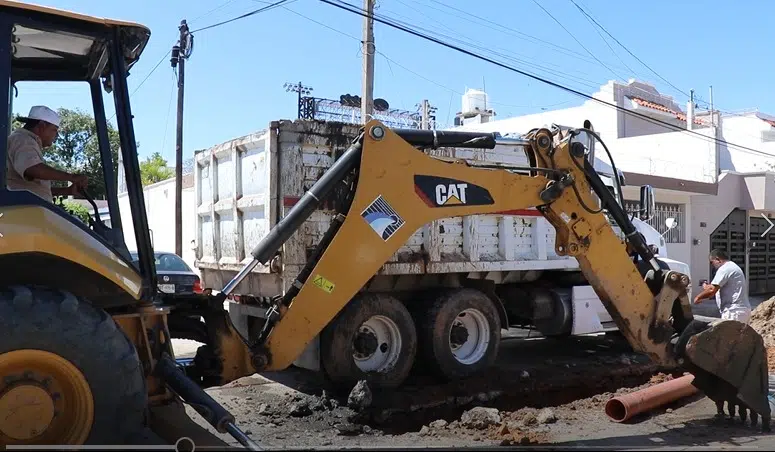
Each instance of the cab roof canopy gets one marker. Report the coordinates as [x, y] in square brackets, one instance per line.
[55, 45]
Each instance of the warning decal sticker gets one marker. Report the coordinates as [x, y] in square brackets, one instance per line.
[323, 283]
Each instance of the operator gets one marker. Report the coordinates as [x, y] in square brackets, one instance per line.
[728, 286]
[26, 168]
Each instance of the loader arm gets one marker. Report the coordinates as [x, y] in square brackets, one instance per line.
[400, 189]
[397, 189]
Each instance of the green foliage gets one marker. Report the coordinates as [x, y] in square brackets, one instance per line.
[77, 210]
[154, 169]
[76, 149]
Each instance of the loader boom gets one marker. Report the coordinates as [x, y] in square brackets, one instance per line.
[400, 189]
[391, 189]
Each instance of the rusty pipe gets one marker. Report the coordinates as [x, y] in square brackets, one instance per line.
[622, 408]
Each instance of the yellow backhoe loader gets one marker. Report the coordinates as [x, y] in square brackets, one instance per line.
[85, 349]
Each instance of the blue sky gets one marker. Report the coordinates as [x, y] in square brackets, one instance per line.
[235, 76]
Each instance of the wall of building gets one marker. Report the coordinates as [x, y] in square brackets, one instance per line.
[670, 204]
[745, 131]
[636, 144]
[160, 210]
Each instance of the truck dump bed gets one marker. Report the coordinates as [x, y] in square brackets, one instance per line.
[244, 185]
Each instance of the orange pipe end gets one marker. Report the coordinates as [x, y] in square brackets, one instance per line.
[622, 408]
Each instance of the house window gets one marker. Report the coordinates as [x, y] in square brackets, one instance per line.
[662, 213]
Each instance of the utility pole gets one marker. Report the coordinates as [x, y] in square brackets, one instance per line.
[180, 54]
[425, 114]
[367, 101]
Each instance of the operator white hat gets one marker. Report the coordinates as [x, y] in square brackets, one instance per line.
[42, 113]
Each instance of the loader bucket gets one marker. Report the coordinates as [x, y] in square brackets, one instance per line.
[729, 361]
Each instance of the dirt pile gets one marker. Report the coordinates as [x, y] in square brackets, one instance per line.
[763, 321]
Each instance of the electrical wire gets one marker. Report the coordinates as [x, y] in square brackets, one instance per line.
[577, 41]
[628, 50]
[509, 31]
[391, 61]
[223, 5]
[349, 8]
[248, 14]
[602, 38]
[489, 49]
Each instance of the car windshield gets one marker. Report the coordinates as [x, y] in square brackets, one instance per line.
[167, 262]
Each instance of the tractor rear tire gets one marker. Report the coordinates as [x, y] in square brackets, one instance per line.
[374, 339]
[460, 334]
[76, 361]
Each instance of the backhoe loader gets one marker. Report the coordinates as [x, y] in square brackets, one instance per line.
[85, 350]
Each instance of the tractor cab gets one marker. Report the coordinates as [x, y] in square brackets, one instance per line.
[38, 46]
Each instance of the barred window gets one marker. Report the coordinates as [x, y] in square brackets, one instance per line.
[661, 214]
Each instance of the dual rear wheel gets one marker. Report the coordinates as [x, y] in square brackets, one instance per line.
[377, 339]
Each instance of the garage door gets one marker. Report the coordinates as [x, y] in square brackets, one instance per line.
[762, 257]
[730, 236]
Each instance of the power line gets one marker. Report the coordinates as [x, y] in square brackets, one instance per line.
[467, 15]
[343, 5]
[150, 73]
[454, 91]
[223, 5]
[602, 38]
[504, 29]
[248, 14]
[577, 41]
[144, 80]
[628, 50]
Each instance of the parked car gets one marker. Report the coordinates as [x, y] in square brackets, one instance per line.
[173, 274]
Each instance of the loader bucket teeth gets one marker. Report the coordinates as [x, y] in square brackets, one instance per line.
[729, 363]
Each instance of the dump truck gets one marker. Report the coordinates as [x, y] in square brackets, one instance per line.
[244, 186]
[86, 352]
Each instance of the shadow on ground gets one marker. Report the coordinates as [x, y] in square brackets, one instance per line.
[694, 433]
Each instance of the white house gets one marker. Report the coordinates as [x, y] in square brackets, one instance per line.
[160, 210]
[702, 177]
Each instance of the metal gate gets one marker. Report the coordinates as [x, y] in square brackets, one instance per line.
[730, 236]
[762, 257]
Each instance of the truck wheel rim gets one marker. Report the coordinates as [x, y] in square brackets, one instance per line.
[50, 397]
[377, 345]
[469, 336]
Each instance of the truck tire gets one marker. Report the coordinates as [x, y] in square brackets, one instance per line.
[460, 333]
[73, 360]
[373, 338]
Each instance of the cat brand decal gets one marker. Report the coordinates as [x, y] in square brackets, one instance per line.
[444, 192]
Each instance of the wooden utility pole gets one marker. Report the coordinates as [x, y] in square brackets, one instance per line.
[180, 53]
[367, 96]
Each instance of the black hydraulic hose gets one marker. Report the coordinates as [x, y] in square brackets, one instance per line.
[307, 204]
[206, 406]
[620, 216]
[441, 138]
[285, 228]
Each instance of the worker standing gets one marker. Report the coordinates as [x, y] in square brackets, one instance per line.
[728, 286]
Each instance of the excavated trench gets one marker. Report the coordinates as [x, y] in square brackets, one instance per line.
[584, 368]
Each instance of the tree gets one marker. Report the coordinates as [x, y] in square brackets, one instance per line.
[76, 148]
[154, 169]
[77, 210]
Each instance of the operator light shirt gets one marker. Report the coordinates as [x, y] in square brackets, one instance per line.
[731, 294]
[25, 150]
